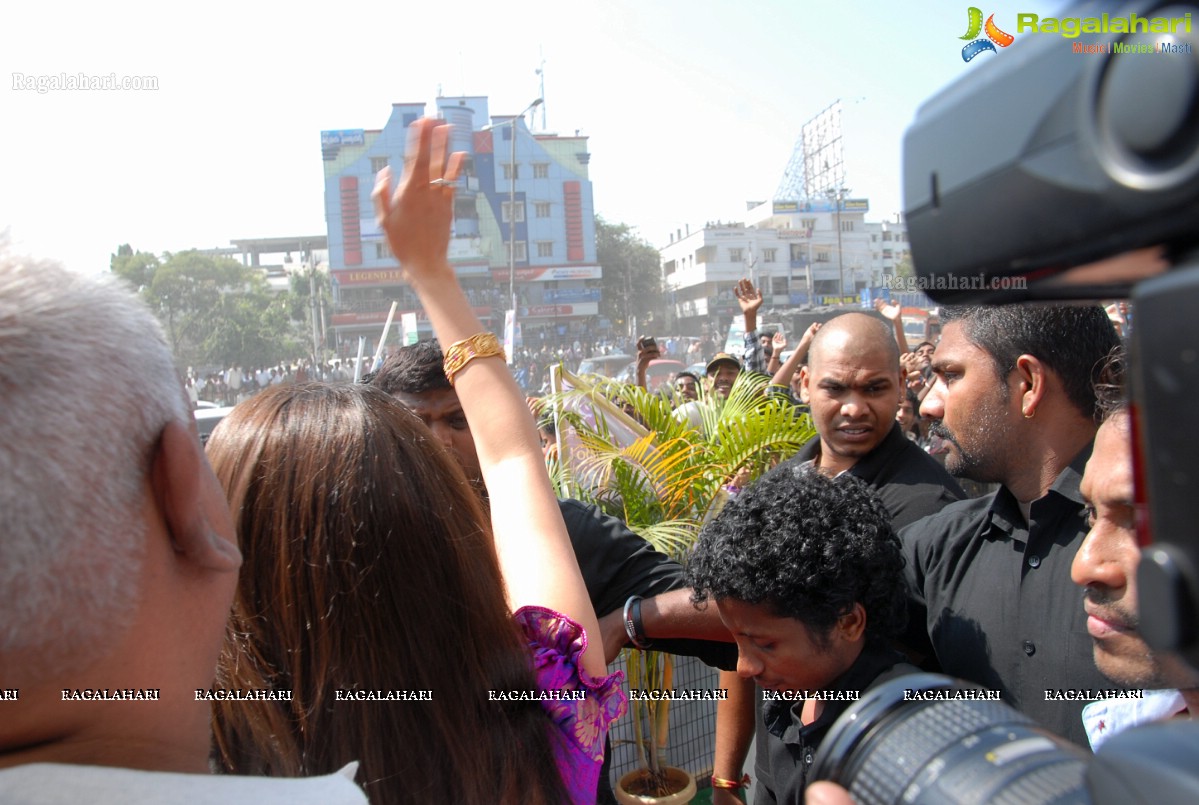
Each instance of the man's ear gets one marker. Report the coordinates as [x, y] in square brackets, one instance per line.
[1031, 377]
[190, 501]
[852, 624]
[805, 396]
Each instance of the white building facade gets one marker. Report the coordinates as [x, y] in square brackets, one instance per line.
[798, 253]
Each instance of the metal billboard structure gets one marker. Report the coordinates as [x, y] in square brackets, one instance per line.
[817, 164]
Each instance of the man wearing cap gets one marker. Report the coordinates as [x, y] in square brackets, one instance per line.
[722, 372]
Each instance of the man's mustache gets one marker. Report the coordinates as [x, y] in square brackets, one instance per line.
[938, 429]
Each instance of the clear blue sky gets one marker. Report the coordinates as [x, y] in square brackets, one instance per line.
[692, 107]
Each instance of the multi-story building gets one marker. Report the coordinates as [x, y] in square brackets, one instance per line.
[832, 239]
[557, 278]
[889, 245]
[798, 253]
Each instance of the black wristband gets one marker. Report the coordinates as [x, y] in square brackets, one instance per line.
[632, 622]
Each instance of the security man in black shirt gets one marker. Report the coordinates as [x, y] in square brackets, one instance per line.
[852, 385]
[990, 578]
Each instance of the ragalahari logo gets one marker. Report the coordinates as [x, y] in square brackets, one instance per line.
[977, 46]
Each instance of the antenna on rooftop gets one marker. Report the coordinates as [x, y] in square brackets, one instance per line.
[540, 71]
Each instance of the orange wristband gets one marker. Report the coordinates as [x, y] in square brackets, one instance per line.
[720, 782]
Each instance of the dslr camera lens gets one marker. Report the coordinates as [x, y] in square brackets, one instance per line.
[927, 738]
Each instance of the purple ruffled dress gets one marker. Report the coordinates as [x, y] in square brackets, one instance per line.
[556, 643]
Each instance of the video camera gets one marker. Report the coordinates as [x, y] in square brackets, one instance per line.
[1066, 169]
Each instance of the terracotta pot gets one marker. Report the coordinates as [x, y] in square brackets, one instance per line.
[680, 782]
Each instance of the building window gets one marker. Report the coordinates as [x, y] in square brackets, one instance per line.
[511, 171]
[822, 257]
[769, 255]
[381, 251]
[847, 226]
[541, 209]
[520, 252]
[506, 214]
[378, 164]
[465, 208]
[736, 255]
[545, 248]
[886, 236]
[541, 170]
[807, 223]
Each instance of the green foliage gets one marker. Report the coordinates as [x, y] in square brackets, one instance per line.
[666, 484]
[135, 268]
[301, 285]
[632, 273]
[904, 267]
[216, 312]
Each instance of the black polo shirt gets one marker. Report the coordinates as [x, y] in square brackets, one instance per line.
[995, 598]
[910, 482]
[786, 746]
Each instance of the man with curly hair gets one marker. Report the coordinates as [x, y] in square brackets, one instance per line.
[806, 573]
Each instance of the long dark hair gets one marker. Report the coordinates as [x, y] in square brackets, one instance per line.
[369, 565]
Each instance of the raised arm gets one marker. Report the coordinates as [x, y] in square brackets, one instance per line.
[787, 371]
[891, 312]
[647, 350]
[530, 538]
[750, 299]
[778, 345]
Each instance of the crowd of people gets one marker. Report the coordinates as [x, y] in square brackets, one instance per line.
[238, 384]
[369, 591]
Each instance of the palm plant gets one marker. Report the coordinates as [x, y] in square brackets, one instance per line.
[664, 477]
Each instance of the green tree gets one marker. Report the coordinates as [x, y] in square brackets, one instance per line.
[136, 268]
[305, 306]
[216, 312]
[904, 267]
[632, 280]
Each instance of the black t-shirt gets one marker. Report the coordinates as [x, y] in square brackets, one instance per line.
[910, 483]
[786, 747]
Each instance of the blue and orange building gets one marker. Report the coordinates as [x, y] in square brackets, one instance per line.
[553, 221]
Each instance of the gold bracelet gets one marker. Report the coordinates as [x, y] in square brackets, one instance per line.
[733, 785]
[460, 353]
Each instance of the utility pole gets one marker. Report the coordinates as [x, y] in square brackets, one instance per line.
[838, 194]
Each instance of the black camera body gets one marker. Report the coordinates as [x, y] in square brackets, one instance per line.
[1046, 160]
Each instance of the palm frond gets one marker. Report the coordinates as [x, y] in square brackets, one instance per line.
[665, 479]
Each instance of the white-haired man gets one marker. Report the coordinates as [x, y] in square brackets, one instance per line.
[117, 559]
